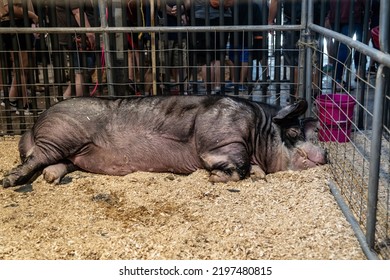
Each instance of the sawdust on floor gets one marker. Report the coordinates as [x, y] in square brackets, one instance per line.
[290, 215]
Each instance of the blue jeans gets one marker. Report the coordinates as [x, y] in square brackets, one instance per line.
[344, 52]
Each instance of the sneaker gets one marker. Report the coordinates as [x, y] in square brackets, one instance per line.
[27, 111]
[242, 88]
[229, 87]
[328, 68]
[13, 105]
[372, 70]
[216, 90]
[2, 98]
[134, 90]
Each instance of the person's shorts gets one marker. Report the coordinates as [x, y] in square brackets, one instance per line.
[78, 61]
[178, 53]
[259, 51]
[215, 48]
[243, 54]
[290, 48]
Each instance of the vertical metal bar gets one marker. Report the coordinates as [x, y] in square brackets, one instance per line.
[221, 46]
[31, 62]
[336, 45]
[208, 47]
[351, 29]
[5, 75]
[83, 58]
[119, 59]
[141, 46]
[376, 142]
[106, 42]
[163, 45]
[362, 69]
[250, 46]
[193, 53]
[181, 66]
[17, 67]
[296, 35]
[98, 50]
[377, 127]
[319, 74]
[236, 48]
[71, 51]
[384, 22]
[278, 48]
[307, 17]
[43, 49]
[153, 45]
[265, 46]
[55, 45]
[384, 38]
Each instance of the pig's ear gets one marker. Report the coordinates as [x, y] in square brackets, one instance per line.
[291, 111]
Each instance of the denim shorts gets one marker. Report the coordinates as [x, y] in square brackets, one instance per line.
[78, 58]
[243, 54]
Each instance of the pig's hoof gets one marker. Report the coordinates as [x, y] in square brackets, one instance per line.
[257, 173]
[221, 176]
[6, 182]
[51, 177]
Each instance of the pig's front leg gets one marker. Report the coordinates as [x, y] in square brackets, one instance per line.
[227, 163]
[257, 173]
[53, 174]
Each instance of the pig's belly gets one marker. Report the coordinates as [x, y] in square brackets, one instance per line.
[177, 158]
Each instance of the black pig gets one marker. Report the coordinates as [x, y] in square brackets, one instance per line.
[229, 137]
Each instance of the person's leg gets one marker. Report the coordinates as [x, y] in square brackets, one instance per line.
[23, 64]
[217, 74]
[359, 35]
[244, 69]
[342, 55]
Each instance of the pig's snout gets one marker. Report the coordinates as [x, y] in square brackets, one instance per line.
[307, 156]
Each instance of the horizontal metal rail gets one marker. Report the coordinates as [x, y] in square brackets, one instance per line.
[156, 29]
[375, 54]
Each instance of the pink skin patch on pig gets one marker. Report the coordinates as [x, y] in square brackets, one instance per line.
[306, 156]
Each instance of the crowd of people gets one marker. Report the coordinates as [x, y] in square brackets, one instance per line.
[206, 56]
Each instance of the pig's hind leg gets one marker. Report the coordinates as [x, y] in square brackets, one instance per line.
[32, 165]
[54, 173]
[29, 170]
[23, 173]
[227, 163]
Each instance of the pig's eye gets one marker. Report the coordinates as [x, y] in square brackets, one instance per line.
[293, 133]
[291, 136]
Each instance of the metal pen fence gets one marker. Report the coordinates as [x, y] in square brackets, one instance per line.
[140, 51]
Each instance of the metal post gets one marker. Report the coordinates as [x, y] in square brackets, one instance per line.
[296, 71]
[307, 16]
[117, 17]
[106, 42]
[278, 54]
[376, 143]
[377, 127]
[384, 26]
[153, 45]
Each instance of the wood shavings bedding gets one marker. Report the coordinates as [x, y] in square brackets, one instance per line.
[291, 215]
